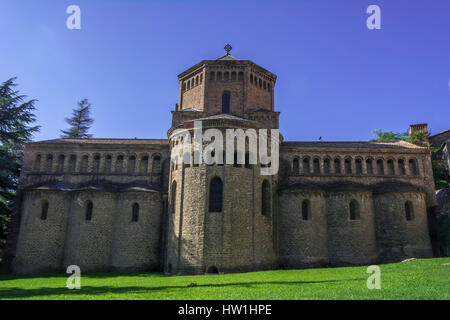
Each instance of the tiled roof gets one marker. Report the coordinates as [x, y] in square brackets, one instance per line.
[105, 141]
[351, 144]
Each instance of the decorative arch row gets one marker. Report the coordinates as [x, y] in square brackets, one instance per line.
[247, 165]
[193, 82]
[97, 163]
[226, 75]
[88, 210]
[354, 166]
[258, 82]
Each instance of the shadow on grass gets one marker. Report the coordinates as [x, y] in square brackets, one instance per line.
[14, 293]
[10, 277]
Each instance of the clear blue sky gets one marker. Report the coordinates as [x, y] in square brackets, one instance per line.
[336, 78]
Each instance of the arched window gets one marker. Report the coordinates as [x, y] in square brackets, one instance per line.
[306, 168]
[72, 163]
[265, 198]
[219, 76]
[215, 195]
[380, 167]
[89, 208]
[37, 163]
[49, 163]
[119, 164]
[369, 166]
[337, 166]
[269, 87]
[84, 164]
[348, 165]
[391, 169]
[358, 166]
[44, 210]
[201, 78]
[401, 167]
[226, 102]
[264, 85]
[233, 75]
[413, 167]
[156, 165]
[131, 164]
[212, 75]
[61, 159]
[306, 210]
[135, 213]
[226, 75]
[251, 78]
[96, 164]
[316, 166]
[143, 166]
[327, 166]
[260, 83]
[296, 166]
[354, 210]
[173, 198]
[196, 80]
[108, 163]
[409, 211]
[240, 75]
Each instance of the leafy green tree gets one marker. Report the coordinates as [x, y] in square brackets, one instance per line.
[387, 136]
[416, 137]
[80, 122]
[16, 119]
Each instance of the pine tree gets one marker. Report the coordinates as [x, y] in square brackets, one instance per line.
[80, 121]
[16, 117]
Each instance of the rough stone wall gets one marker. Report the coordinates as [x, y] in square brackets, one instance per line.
[350, 241]
[378, 235]
[108, 241]
[135, 245]
[302, 242]
[398, 238]
[88, 243]
[237, 239]
[40, 243]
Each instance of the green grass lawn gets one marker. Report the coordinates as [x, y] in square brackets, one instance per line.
[417, 279]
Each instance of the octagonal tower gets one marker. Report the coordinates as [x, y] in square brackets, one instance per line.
[222, 217]
[226, 85]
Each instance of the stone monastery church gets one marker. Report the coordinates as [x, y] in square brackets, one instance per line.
[123, 205]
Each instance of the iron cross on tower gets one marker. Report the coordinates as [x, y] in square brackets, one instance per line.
[228, 48]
